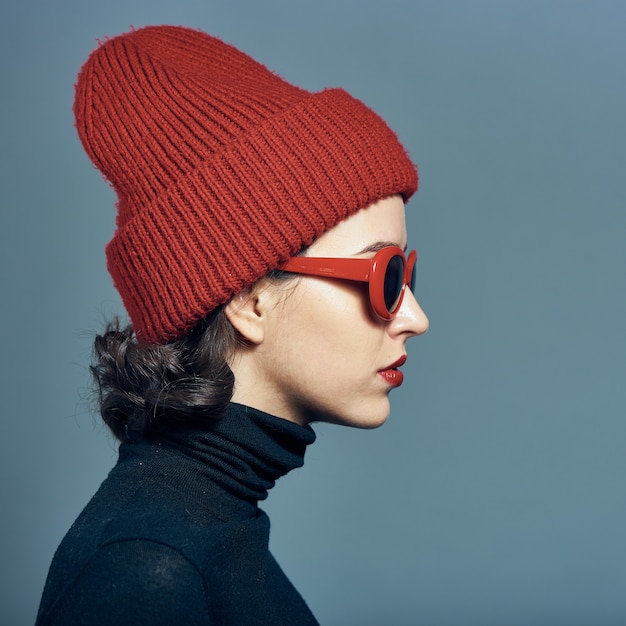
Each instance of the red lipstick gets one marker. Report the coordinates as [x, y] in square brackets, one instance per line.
[391, 374]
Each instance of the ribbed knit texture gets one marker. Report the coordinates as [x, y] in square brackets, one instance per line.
[223, 170]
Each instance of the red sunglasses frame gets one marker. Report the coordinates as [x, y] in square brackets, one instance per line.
[370, 271]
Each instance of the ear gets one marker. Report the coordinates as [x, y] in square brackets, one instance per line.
[247, 312]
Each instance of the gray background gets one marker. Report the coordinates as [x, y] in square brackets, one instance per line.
[495, 494]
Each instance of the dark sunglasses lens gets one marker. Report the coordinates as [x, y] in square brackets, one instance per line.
[394, 278]
[412, 283]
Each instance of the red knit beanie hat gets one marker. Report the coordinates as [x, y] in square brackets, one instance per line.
[223, 170]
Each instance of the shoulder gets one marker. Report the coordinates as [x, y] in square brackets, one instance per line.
[135, 582]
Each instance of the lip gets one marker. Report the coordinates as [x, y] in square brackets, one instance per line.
[398, 363]
[393, 376]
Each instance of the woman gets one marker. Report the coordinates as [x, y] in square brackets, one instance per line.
[259, 252]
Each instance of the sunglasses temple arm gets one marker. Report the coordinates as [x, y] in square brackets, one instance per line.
[349, 269]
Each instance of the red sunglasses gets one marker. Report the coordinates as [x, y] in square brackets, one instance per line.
[388, 273]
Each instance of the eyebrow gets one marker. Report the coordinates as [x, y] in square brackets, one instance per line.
[378, 245]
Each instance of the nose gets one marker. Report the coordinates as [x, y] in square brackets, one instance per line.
[410, 318]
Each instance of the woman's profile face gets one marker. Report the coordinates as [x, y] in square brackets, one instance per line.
[324, 354]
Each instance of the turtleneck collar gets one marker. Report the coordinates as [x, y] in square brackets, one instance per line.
[237, 457]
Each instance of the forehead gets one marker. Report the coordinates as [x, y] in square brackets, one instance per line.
[381, 223]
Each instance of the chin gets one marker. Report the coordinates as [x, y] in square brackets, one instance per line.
[367, 419]
[371, 424]
[367, 416]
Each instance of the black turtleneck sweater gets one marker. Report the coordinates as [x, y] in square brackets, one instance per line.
[174, 534]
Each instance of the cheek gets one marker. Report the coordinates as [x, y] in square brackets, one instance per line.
[329, 321]
[344, 304]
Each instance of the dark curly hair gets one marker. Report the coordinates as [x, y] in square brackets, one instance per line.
[141, 386]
